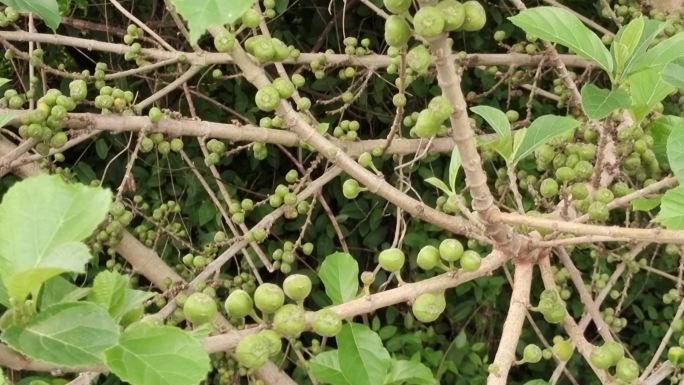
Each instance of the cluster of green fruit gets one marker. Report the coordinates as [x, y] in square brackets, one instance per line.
[269, 49]
[561, 349]
[8, 16]
[268, 97]
[160, 219]
[429, 122]
[552, 306]
[561, 277]
[450, 251]
[216, 148]
[450, 203]
[12, 99]
[133, 33]
[612, 354]
[238, 210]
[111, 231]
[675, 354]
[352, 47]
[45, 122]
[347, 130]
[613, 319]
[284, 258]
[113, 99]
[283, 195]
[259, 151]
[158, 141]
[18, 313]
[289, 320]
[99, 75]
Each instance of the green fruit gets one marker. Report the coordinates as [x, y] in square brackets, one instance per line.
[224, 41]
[267, 98]
[454, 14]
[132, 315]
[601, 358]
[391, 259]
[155, 114]
[281, 50]
[627, 370]
[397, 31]
[583, 169]
[199, 309]
[289, 321]
[397, 6]
[599, 211]
[58, 140]
[351, 189]
[440, 107]
[284, 86]
[470, 261]
[428, 22]
[274, 341]
[565, 174]
[78, 90]
[475, 16]
[326, 323]
[297, 286]
[617, 352]
[428, 306]
[419, 59]
[532, 354]
[251, 18]
[548, 188]
[253, 351]
[427, 124]
[675, 354]
[450, 250]
[562, 349]
[238, 304]
[268, 297]
[579, 191]
[428, 257]
[604, 195]
[298, 80]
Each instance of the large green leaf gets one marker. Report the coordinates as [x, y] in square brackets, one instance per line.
[563, 27]
[660, 130]
[626, 42]
[326, 368]
[363, 358]
[4, 81]
[409, 372]
[203, 14]
[48, 10]
[651, 29]
[663, 53]
[109, 291]
[59, 289]
[158, 355]
[340, 275]
[671, 213]
[495, 118]
[68, 334]
[675, 153]
[438, 183]
[646, 204]
[540, 131]
[42, 221]
[454, 166]
[673, 73]
[647, 88]
[599, 103]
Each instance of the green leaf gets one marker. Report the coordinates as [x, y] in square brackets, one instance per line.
[563, 27]
[660, 130]
[626, 42]
[673, 73]
[3, 81]
[48, 10]
[438, 184]
[675, 153]
[671, 213]
[599, 103]
[33, 251]
[540, 131]
[59, 289]
[68, 334]
[4, 297]
[495, 118]
[363, 359]
[326, 368]
[109, 291]
[651, 29]
[340, 273]
[646, 204]
[203, 14]
[409, 372]
[503, 146]
[132, 299]
[454, 165]
[5, 118]
[647, 88]
[663, 53]
[158, 355]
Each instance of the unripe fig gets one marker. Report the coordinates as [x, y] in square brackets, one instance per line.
[470, 261]
[454, 14]
[428, 22]
[326, 323]
[450, 250]
[267, 98]
[428, 306]
[268, 297]
[199, 308]
[427, 125]
[475, 16]
[274, 341]
[418, 59]
[428, 257]
[397, 6]
[297, 286]
[351, 189]
[238, 304]
[397, 31]
[627, 370]
[391, 259]
[224, 41]
[532, 354]
[562, 349]
[253, 351]
[440, 107]
[289, 321]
